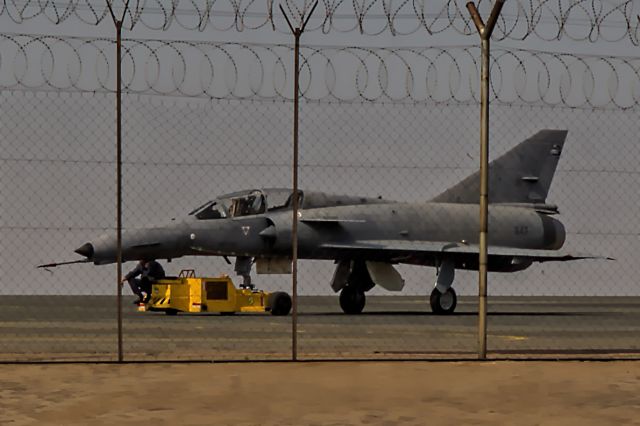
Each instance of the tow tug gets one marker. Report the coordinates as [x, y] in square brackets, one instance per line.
[189, 293]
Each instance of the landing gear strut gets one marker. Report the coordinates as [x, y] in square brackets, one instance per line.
[443, 298]
[243, 269]
[443, 303]
[354, 285]
[352, 300]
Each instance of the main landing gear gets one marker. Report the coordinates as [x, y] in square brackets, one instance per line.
[352, 296]
[352, 300]
[443, 298]
[443, 303]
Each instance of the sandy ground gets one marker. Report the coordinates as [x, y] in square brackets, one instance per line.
[349, 393]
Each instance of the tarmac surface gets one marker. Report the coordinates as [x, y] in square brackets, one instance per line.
[84, 328]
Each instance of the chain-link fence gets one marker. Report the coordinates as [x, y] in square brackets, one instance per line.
[205, 119]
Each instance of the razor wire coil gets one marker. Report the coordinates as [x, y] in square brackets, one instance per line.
[241, 71]
[584, 20]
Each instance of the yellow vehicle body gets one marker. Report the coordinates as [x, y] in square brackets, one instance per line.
[174, 295]
[188, 293]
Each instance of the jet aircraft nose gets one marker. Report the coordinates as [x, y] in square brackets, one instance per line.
[159, 242]
[86, 250]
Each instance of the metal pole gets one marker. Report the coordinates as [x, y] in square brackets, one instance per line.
[119, 180]
[118, 24]
[484, 201]
[294, 224]
[485, 37]
[297, 32]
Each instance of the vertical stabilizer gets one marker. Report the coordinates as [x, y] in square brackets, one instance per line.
[522, 175]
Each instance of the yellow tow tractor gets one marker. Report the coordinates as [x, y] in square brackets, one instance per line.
[188, 293]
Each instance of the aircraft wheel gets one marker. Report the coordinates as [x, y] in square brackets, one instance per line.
[443, 304]
[352, 300]
[280, 303]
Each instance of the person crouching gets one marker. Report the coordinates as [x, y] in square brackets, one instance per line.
[149, 272]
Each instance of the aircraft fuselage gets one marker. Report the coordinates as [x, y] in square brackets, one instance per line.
[269, 235]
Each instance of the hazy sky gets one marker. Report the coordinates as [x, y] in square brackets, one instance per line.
[58, 174]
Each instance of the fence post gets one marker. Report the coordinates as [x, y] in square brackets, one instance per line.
[118, 24]
[485, 37]
[297, 32]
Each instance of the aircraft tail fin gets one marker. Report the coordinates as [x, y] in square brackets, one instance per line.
[521, 175]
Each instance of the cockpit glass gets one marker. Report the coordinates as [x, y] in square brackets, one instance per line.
[197, 209]
[245, 203]
[280, 199]
[211, 210]
[248, 204]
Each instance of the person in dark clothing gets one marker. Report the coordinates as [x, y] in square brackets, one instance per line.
[149, 271]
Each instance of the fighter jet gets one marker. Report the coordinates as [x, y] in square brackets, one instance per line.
[366, 237]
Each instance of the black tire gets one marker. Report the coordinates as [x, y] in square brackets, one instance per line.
[352, 300]
[171, 312]
[280, 303]
[227, 314]
[443, 304]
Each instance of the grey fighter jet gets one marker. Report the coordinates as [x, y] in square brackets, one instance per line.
[366, 237]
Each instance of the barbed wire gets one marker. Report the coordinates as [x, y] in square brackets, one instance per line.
[345, 74]
[587, 20]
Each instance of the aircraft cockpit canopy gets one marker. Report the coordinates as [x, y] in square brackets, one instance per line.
[278, 199]
[209, 210]
[245, 203]
[248, 204]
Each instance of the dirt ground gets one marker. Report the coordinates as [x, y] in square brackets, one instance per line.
[349, 393]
